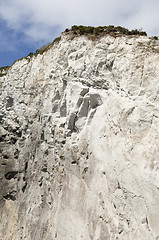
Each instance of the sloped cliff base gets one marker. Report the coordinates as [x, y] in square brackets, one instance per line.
[79, 139]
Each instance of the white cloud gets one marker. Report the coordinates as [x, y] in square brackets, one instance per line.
[41, 20]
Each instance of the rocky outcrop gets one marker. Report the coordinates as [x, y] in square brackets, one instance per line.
[79, 141]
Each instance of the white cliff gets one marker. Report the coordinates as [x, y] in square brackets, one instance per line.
[79, 142]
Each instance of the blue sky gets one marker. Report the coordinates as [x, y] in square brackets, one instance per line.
[26, 25]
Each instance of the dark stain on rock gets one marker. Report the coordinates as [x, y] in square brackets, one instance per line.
[24, 187]
[42, 136]
[16, 153]
[26, 166]
[9, 197]
[44, 169]
[10, 102]
[10, 175]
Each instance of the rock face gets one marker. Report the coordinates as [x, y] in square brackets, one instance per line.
[79, 142]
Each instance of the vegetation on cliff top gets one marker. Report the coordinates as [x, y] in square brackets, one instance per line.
[83, 30]
[97, 31]
[102, 30]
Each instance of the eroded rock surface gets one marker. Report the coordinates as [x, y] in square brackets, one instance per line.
[79, 142]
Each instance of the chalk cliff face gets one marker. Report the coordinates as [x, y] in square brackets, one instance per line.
[79, 142]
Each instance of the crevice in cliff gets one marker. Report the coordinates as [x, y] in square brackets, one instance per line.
[10, 196]
[10, 175]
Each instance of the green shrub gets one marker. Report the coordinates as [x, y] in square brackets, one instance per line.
[137, 32]
[143, 33]
[97, 31]
[75, 28]
[42, 49]
[89, 29]
[110, 28]
[104, 29]
[56, 40]
[155, 38]
[30, 54]
[82, 30]
[121, 30]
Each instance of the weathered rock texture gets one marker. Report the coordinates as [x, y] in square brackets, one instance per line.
[79, 142]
